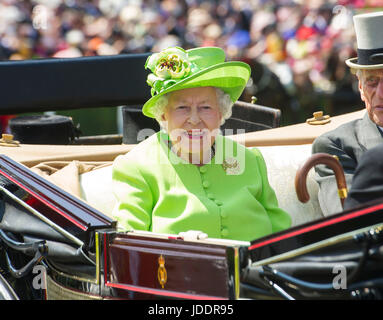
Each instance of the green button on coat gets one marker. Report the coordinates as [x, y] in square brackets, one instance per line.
[206, 184]
[203, 169]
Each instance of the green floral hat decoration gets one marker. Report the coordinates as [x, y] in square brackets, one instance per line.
[176, 69]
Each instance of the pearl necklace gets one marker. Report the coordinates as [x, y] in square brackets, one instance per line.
[170, 146]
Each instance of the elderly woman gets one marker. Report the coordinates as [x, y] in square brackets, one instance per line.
[188, 176]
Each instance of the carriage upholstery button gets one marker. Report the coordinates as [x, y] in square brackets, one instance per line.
[206, 184]
[218, 202]
[224, 232]
[202, 169]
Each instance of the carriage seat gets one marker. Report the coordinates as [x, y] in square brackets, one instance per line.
[282, 163]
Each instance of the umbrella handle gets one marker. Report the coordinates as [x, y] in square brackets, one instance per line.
[315, 159]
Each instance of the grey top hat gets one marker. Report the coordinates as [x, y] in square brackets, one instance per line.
[369, 38]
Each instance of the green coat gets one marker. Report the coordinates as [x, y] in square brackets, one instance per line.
[157, 191]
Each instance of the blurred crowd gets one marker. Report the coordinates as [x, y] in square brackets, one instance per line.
[296, 48]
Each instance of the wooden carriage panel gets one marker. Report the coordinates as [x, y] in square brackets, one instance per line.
[169, 267]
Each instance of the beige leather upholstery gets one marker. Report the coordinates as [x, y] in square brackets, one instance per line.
[96, 189]
[282, 164]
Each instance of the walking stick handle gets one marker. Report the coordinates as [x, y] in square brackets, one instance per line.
[315, 159]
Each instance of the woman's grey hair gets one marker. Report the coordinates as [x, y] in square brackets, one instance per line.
[224, 102]
[359, 74]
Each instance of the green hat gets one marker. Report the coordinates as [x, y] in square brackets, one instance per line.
[176, 69]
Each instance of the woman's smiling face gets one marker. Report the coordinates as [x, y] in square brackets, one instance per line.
[192, 119]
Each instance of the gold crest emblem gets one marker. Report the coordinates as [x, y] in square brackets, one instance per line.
[161, 273]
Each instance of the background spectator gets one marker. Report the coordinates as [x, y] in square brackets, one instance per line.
[296, 48]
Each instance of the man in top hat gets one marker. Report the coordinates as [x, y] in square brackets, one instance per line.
[350, 141]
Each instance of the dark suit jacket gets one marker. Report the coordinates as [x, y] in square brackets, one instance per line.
[367, 184]
[348, 142]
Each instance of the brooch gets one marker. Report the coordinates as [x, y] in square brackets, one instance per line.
[231, 166]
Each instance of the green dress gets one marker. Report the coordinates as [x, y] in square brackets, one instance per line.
[228, 198]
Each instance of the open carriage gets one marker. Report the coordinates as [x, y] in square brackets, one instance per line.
[57, 240]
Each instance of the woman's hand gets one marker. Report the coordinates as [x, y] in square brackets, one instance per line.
[193, 235]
